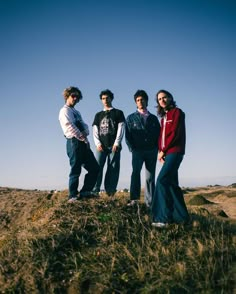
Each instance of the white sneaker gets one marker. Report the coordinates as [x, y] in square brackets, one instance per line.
[132, 202]
[72, 199]
[159, 225]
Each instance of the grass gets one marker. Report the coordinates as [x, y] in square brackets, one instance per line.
[103, 246]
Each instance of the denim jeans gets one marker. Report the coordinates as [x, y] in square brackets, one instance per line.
[168, 202]
[80, 155]
[149, 157]
[112, 172]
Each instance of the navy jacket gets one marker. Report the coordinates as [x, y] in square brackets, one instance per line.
[140, 135]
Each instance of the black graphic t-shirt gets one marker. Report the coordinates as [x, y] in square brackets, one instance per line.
[107, 123]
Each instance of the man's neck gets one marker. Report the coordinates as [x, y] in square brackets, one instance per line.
[143, 110]
[69, 105]
[108, 108]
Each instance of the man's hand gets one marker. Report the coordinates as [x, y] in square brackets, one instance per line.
[115, 148]
[162, 161]
[161, 156]
[99, 148]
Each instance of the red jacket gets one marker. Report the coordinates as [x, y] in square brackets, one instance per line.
[173, 135]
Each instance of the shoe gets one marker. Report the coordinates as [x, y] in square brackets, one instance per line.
[110, 194]
[88, 194]
[159, 225]
[95, 194]
[132, 202]
[72, 199]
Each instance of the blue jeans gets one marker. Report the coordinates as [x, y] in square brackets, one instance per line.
[80, 155]
[112, 172]
[168, 202]
[149, 157]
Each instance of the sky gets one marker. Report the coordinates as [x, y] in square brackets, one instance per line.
[186, 47]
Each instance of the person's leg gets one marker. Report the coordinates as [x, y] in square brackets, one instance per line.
[162, 204]
[150, 172]
[91, 165]
[73, 152]
[112, 173]
[180, 212]
[101, 160]
[135, 185]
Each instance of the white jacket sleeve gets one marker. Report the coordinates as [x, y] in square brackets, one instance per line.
[96, 136]
[120, 133]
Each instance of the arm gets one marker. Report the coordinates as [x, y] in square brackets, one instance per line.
[66, 118]
[174, 131]
[96, 139]
[119, 135]
[128, 137]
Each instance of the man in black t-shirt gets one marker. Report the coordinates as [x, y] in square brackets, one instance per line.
[108, 131]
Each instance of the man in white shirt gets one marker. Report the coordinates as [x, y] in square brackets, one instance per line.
[78, 149]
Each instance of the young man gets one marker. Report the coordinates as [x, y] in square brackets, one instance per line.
[168, 204]
[77, 145]
[108, 131]
[142, 132]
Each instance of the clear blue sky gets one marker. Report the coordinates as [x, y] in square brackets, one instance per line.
[185, 46]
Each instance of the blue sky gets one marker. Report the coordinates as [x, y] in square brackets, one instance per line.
[186, 47]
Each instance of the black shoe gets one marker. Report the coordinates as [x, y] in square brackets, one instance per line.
[88, 195]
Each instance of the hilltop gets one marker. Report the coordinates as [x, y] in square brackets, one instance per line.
[102, 246]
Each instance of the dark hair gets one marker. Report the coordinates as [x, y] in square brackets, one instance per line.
[161, 111]
[68, 91]
[108, 93]
[141, 93]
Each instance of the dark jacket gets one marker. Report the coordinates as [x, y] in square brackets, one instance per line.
[140, 135]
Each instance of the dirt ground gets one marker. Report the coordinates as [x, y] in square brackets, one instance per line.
[222, 199]
[19, 207]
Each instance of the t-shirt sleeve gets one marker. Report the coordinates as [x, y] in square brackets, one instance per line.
[96, 120]
[120, 116]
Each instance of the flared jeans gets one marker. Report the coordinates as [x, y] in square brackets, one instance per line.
[168, 204]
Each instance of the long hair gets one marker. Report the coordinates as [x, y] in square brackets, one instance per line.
[160, 110]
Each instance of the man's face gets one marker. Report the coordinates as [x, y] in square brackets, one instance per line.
[163, 100]
[141, 103]
[106, 101]
[73, 99]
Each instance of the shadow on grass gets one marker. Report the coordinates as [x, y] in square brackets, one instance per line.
[107, 247]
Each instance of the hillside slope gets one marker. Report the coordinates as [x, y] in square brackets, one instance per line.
[100, 245]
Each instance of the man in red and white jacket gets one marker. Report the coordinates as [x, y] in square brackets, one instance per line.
[168, 204]
[172, 137]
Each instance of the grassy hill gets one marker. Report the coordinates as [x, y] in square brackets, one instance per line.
[102, 246]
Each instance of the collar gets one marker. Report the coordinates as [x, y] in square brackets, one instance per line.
[145, 112]
[108, 109]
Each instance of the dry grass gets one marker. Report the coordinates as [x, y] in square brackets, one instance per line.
[103, 246]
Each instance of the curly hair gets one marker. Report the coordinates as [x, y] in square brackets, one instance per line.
[108, 93]
[70, 90]
[160, 110]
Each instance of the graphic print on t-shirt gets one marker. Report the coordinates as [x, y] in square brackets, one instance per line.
[107, 126]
